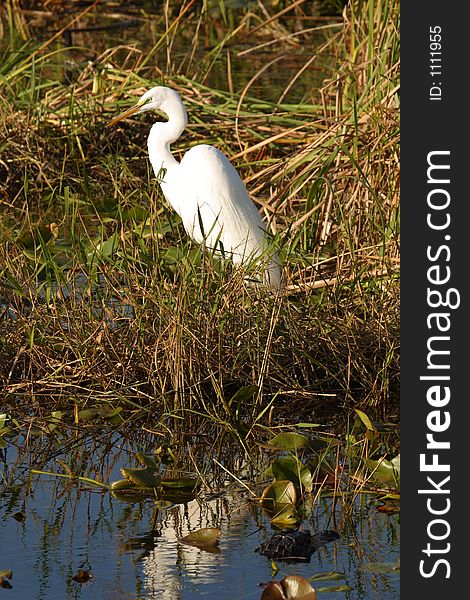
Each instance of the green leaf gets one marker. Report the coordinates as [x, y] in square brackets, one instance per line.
[144, 478]
[86, 414]
[106, 248]
[278, 493]
[148, 460]
[385, 471]
[328, 576]
[365, 419]
[3, 420]
[335, 588]
[287, 517]
[54, 421]
[244, 394]
[122, 484]
[181, 483]
[292, 469]
[289, 441]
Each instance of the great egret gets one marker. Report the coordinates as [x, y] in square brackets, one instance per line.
[205, 189]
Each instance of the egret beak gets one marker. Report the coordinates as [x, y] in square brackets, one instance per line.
[128, 113]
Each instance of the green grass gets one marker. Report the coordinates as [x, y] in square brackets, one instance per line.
[104, 298]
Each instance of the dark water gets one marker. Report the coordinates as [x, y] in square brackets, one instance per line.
[132, 551]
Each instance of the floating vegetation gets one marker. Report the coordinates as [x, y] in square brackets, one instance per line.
[82, 576]
[146, 481]
[5, 576]
[206, 538]
[292, 587]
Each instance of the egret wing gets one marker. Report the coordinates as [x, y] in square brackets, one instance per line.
[217, 208]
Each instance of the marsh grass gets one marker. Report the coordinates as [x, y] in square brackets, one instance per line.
[105, 301]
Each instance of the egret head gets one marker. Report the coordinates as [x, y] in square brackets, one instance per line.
[158, 98]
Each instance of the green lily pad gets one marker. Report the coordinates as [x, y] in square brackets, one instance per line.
[289, 441]
[122, 484]
[278, 493]
[86, 414]
[54, 421]
[292, 469]
[144, 478]
[181, 483]
[287, 517]
[384, 471]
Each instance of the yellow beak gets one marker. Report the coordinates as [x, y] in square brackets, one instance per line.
[128, 113]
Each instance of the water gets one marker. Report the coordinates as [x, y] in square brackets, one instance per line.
[131, 547]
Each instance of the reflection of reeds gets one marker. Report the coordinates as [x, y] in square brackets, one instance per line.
[86, 233]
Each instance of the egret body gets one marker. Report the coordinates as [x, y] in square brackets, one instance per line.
[205, 189]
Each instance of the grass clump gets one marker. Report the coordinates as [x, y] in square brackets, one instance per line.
[104, 298]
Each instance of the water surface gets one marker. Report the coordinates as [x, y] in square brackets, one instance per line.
[131, 547]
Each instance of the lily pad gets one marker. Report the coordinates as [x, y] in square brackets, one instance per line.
[206, 538]
[287, 517]
[54, 421]
[181, 483]
[384, 471]
[289, 441]
[122, 484]
[277, 494]
[292, 587]
[106, 412]
[292, 469]
[144, 478]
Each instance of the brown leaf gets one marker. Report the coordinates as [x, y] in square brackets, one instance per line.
[292, 587]
[82, 576]
[5, 584]
[206, 538]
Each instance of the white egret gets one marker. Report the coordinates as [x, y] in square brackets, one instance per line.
[205, 189]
